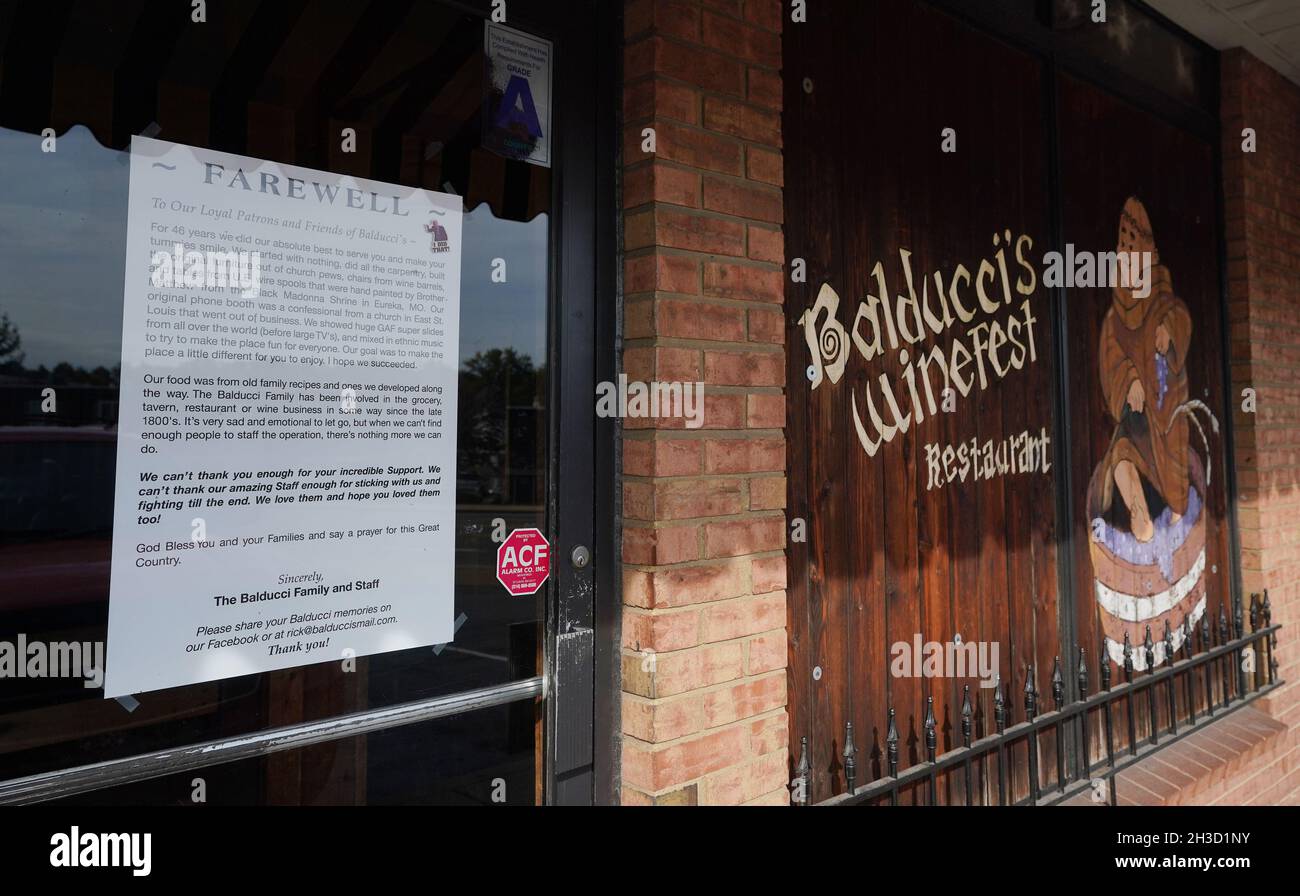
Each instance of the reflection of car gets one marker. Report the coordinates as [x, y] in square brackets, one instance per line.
[56, 516]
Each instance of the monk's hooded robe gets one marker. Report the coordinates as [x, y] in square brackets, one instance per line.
[1154, 440]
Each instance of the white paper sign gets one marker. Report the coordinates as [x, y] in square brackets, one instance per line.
[517, 120]
[286, 462]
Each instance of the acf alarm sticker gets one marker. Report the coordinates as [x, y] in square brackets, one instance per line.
[523, 562]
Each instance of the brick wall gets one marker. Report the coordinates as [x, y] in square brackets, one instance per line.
[1262, 214]
[704, 641]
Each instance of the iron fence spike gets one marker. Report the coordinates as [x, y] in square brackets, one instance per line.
[850, 763]
[891, 741]
[966, 713]
[803, 774]
[931, 739]
[999, 706]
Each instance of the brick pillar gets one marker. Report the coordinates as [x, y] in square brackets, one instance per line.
[1262, 217]
[704, 641]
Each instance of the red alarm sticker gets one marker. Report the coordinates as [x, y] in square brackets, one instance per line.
[523, 562]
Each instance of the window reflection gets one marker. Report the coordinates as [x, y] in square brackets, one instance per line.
[411, 87]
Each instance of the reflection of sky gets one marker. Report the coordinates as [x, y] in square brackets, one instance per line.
[513, 313]
[63, 246]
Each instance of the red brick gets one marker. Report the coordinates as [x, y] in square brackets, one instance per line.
[638, 500]
[679, 499]
[698, 320]
[743, 200]
[730, 7]
[638, 318]
[638, 232]
[765, 13]
[664, 273]
[699, 67]
[728, 619]
[766, 244]
[768, 574]
[769, 734]
[677, 365]
[659, 631]
[767, 493]
[778, 797]
[766, 326]
[681, 762]
[684, 145]
[638, 58]
[732, 539]
[663, 457]
[765, 411]
[658, 721]
[698, 233]
[744, 368]
[724, 411]
[679, 671]
[704, 75]
[768, 652]
[669, 544]
[686, 585]
[764, 165]
[657, 182]
[741, 783]
[765, 89]
[755, 45]
[743, 282]
[744, 455]
[638, 457]
[727, 116]
[743, 700]
[676, 18]
[657, 98]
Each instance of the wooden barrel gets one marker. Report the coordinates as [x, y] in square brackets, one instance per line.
[1131, 597]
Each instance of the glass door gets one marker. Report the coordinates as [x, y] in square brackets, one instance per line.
[410, 95]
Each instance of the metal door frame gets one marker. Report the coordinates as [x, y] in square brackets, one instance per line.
[579, 680]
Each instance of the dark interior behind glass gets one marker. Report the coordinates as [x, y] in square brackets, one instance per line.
[279, 80]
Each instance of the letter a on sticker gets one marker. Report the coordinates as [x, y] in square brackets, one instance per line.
[517, 107]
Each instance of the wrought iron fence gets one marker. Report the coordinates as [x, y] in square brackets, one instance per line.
[1209, 683]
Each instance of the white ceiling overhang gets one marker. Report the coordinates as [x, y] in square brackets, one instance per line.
[1269, 29]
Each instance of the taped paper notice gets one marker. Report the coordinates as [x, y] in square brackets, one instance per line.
[286, 461]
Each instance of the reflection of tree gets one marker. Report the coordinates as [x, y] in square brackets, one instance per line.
[498, 442]
[10, 344]
[62, 374]
[86, 397]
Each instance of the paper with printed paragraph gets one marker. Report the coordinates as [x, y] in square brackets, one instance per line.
[286, 466]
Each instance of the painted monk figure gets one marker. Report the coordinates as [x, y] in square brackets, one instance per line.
[1143, 357]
